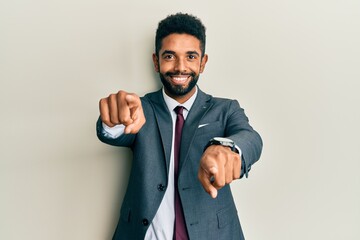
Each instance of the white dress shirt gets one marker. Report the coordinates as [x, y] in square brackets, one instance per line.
[162, 226]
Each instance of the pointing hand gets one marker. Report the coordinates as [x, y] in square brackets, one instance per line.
[122, 108]
[218, 166]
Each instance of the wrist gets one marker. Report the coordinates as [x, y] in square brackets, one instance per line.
[226, 142]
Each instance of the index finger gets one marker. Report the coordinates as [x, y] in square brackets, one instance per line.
[134, 104]
[205, 180]
[124, 109]
[132, 100]
[207, 172]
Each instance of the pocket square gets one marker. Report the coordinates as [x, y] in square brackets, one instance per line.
[203, 125]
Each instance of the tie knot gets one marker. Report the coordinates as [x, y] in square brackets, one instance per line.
[179, 109]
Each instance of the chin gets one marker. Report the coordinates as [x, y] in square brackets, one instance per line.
[181, 89]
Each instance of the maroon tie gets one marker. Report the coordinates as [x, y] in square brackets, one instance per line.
[180, 232]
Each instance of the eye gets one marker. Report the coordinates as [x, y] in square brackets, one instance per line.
[192, 57]
[168, 56]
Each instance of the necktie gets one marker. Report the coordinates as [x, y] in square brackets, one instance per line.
[180, 232]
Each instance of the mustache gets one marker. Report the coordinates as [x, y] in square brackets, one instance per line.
[169, 74]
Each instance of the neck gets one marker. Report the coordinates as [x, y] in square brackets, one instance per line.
[181, 98]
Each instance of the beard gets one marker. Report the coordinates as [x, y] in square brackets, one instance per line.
[178, 90]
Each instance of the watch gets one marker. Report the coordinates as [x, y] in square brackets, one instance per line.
[222, 141]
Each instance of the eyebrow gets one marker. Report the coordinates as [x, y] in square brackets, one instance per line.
[167, 52]
[193, 53]
[172, 52]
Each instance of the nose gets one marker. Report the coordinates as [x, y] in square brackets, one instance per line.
[180, 65]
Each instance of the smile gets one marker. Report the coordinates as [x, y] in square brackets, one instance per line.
[179, 79]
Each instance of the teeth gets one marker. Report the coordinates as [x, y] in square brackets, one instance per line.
[180, 79]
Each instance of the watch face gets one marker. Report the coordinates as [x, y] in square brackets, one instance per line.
[224, 140]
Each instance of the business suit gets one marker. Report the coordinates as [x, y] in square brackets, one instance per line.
[209, 117]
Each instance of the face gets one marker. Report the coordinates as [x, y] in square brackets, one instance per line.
[179, 64]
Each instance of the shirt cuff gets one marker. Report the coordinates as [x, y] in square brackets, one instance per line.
[113, 132]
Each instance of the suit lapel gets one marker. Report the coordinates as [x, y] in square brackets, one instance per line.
[164, 123]
[200, 107]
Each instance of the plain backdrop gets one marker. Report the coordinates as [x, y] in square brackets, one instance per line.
[293, 65]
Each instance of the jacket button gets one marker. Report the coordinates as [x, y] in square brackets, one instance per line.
[145, 222]
[161, 187]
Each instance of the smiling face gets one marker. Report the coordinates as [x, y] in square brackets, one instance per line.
[179, 63]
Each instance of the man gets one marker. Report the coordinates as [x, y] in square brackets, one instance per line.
[184, 158]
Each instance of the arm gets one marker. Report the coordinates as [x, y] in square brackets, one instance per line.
[219, 165]
[245, 137]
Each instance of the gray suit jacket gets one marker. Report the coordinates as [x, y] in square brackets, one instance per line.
[206, 218]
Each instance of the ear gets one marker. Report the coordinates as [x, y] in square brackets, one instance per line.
[203, 62]
[156, 62]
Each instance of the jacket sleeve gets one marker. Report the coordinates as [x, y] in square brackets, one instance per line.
[245, 137]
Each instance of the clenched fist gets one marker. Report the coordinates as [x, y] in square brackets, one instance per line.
[122, 108]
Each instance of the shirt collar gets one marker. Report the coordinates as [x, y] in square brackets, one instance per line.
[172, 103]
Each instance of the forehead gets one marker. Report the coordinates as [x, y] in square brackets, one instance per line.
[180, 43]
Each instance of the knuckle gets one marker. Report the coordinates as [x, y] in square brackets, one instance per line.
[124, 120]
[111, 99]
[114, 120]
[220, 184]
[121, 92]
[120, 95]
[218, 187]
[105, 119]
[102, 101]
[228, 180]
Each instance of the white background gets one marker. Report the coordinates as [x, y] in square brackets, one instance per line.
[293, 66]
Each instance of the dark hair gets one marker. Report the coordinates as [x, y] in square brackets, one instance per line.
[180, 23]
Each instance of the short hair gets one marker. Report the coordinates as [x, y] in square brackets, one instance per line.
[180, 23]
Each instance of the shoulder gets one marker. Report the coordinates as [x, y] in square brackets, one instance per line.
[156, 96]
[225, 103]
[214, 99]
